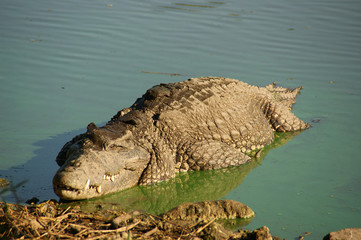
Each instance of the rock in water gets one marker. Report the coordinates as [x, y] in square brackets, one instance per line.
[344, 234]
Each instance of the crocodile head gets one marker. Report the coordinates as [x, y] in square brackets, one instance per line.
[100, 161]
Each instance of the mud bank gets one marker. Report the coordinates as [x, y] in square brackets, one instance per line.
[52, 220]
[204, 220]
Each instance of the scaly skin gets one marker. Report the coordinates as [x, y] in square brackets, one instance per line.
[199, 124]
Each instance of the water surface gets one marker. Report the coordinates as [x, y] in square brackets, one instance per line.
[64, 64]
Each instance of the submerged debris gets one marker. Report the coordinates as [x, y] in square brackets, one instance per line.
[51, 220]
[3, 182]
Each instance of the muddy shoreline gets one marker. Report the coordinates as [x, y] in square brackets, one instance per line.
[204, 220]
[53, 220]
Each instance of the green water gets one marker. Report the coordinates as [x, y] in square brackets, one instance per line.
[64, 64]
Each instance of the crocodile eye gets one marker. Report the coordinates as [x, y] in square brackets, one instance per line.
[121, 145]
[95, 139]
[117, 147]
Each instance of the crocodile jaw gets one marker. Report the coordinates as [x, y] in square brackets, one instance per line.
[96, 173]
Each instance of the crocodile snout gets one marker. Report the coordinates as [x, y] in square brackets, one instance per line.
[95, 173]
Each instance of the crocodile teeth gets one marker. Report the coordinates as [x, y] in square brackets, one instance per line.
[87, 185]
[110, 177]
[99, 189]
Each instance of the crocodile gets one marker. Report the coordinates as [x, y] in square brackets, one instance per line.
[198, 124]
[209, 185]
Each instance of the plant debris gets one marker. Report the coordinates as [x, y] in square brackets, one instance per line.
[53, 220]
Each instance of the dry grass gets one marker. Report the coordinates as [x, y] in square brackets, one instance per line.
[51, 220]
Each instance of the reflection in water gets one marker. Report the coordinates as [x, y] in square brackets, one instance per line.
[186, 187]
[13, 189]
